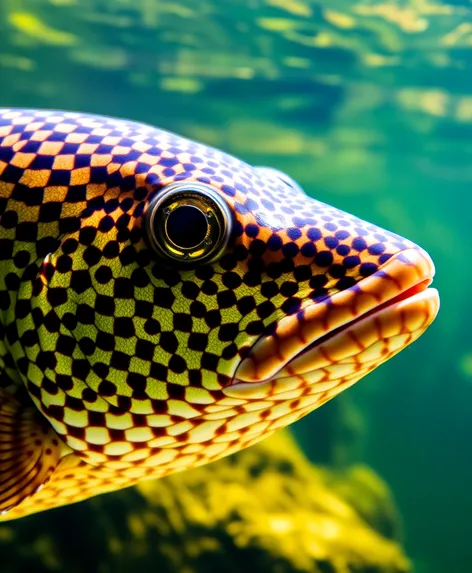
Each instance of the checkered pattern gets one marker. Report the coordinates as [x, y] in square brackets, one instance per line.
[126, 355]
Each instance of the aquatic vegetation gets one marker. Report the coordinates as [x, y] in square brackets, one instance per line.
[38, 31]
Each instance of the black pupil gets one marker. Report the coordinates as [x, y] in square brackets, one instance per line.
[187, 226]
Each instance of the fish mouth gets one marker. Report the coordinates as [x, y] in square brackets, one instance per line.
[334, 342]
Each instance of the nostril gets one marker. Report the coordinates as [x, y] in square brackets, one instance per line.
[271, 172]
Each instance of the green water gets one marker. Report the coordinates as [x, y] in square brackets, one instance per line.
[369, 106]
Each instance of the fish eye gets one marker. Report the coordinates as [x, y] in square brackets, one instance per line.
[271, 172]
[188, 223]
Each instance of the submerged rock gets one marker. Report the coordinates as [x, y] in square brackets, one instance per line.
[266, 509]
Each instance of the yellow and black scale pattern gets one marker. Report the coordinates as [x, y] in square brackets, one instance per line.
[126, 355]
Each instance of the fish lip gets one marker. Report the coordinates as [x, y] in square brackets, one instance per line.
[402, 277]
[420, 295]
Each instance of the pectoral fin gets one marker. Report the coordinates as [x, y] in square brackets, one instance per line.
[29, 451]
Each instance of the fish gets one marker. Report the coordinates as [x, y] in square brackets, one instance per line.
[164, 304]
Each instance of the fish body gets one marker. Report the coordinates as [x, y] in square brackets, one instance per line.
[164, 304]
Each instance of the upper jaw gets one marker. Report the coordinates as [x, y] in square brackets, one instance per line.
[284, 353]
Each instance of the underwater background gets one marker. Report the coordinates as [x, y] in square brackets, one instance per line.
[368, 105]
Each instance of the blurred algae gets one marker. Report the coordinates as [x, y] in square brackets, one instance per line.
[267, 508]
[33, 27]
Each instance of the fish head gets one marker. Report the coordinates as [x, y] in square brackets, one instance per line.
[193, 303]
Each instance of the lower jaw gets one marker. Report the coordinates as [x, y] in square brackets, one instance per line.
[404, 277]
[341, 358]
[374, 337]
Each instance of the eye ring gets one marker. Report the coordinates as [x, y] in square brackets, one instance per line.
[188, 223]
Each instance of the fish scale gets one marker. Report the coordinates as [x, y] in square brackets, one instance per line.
[139, 366]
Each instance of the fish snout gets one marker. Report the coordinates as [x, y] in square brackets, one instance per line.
[333, 343]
